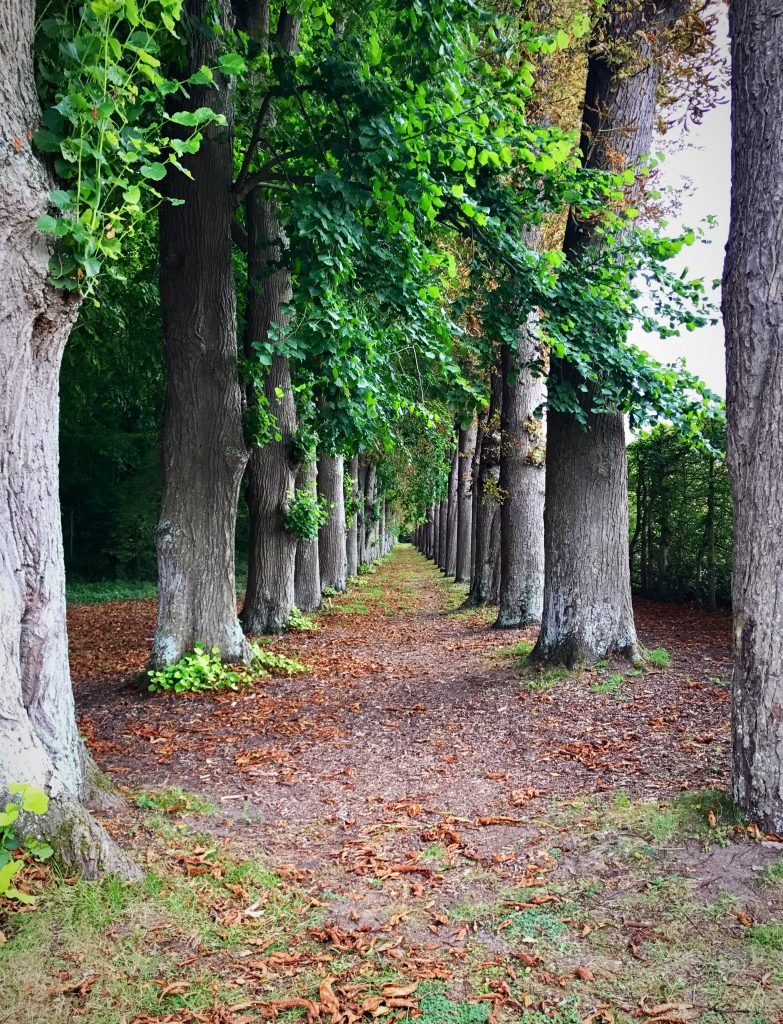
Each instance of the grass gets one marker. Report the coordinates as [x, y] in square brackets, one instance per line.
[77, 592]
[768, 936]
[773, 875]
[521, 650]
[175, 801]
[659, 657]
[611, 684]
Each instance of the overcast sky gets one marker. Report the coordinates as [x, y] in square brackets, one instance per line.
[697, 168]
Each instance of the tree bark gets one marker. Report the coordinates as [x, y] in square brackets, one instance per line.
[369, 512]
[39, 741]
[361, 515]
[521, 481]
[331, 540]
[443, 534]
[352, 527]
[474, 497]
[271, 473]
[486, 505]
[307, 573]
[204, 452]
[587, 612]
[753, 314]
[710, 535]
[467, 444]
[452, 515]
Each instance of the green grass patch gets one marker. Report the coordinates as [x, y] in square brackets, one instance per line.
[767, 936]
[109, 590]
[611, 684]
[174, 801]
[520, 650]
[659, 657]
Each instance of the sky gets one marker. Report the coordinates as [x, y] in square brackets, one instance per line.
[698, 169]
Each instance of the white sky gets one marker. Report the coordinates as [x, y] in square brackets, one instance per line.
[698, 170]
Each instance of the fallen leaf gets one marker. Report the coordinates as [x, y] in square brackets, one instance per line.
[398, 991]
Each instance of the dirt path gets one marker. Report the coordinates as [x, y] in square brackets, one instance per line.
[409, 700]
[551, 846]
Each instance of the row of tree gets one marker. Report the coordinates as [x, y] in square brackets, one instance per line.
[370, 222]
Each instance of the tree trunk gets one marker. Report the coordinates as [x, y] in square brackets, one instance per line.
[271, 474]
[443, 536]
[361, 515]
[39, 741]
[467, 444]
[204, 451]
[331, 540]
[486, 507]
[451, 514]
[474, 496]
[352, 527]
[587, 612]
[369, 512]
[522, 457]
[307, 573]
[753, 313]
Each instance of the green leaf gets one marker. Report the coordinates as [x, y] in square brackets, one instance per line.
[35, 801]
[8, 872]
[232, 64]
[61, 199]
[156, 171]
[47, 224]
[374, 52]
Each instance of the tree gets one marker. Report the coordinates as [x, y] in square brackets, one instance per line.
[587, 612]
[332, 556]
[754, 329]
[521, 485]
[466, 449]
[203, 445]
[486, 506]
[39, 742]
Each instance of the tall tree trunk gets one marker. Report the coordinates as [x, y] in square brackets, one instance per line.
[352, 527]
[39, 741]
[369, 512]
[435, 533]
[332, 554]
[307, 572]
[753, 313]
[361, 515]
[204, 451]
[587, 612]
[467, 444]
[486, 507]
[271, 473]
[474, 497]
[451, 514]
[522, 457]
[443, 533]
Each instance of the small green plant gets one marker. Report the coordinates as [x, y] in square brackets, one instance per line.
[269, 663]
[365, 569]
[659, 657]
[174, 801]
[196, 672]
[521, 650]
[306, 513]
[301, 623]
[32, 801]
[545, 679]
[768, 936]
[328, 592]
[612, 684]
[773, 874]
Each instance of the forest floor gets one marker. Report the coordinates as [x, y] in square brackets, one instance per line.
[417, 828]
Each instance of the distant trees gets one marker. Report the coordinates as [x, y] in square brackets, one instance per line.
[753, 313]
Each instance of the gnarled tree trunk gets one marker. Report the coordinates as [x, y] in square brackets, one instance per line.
[587, 611]
[204, 451]
[39, 741]
[307, 573]
[753, 312]
[521, 481]
[331, 540]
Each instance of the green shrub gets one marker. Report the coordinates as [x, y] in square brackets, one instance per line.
[660, 657]
[268, 663]
[197, 671]
[300, 622]
[33, 801]
[306, 513]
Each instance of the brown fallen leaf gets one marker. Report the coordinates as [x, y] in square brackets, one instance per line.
[175, 988]
[329, 1001]
[399, 991]
[744, 919]
[80, 987]
[584, 973]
